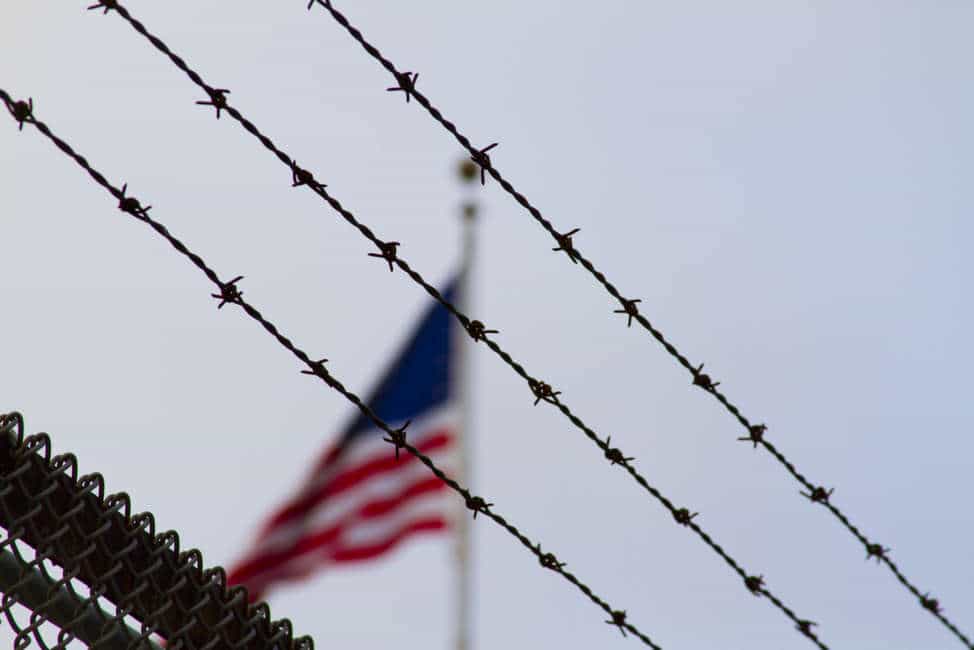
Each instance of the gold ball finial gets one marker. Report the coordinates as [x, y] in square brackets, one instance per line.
[467, 170]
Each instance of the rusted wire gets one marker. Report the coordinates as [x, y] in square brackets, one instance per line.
[388, 252]
[97, 541]
[628, 306]
[229, 293]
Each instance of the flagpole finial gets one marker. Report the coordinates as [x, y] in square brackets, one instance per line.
[467, 170]
[467, 173]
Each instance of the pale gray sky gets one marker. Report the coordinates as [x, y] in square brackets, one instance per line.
[782, 184]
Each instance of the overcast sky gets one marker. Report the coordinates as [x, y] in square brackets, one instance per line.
[784, 185]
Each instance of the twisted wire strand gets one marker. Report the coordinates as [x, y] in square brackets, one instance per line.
[541, 390]
[229, 294]
[407, 84]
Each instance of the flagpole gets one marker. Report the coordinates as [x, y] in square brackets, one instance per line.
[464, 577]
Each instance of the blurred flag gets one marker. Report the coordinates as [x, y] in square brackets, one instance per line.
[359, 501]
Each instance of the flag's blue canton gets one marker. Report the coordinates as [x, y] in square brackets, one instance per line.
[420, 378]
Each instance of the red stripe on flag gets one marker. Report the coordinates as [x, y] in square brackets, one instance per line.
[381, 463]
[297, 573]
[257, 590]
[260, 563]
[366, 552]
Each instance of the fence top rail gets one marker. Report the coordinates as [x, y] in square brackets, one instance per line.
[97, 541]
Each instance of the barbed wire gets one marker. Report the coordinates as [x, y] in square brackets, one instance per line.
[406, 83]
[388, 252]
[230, 293]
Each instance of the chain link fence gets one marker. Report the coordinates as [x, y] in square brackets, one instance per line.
[78, 568]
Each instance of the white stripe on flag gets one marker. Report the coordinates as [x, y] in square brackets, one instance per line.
[377, 487]
[357, 534]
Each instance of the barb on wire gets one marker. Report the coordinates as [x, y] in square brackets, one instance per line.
[565, 244]
[629, 309]
[301, 176]
[805, 626]
[619, 620]
[22, 111]
[478, 331]
[396, 437]
[683, 516]
[406, 84]
[131, 204]
[107, 5]
[703, 380]
[818, 495]
[614, 454]
[318, 368]
[477, 504]
[755, 434]
[387, 252]
[218, 100]
[548, 560]
[229, 292]
[877, 551]
[480, 157]
[541, 390]
[755, 431]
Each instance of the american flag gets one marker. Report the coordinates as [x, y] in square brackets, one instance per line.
[359, 501]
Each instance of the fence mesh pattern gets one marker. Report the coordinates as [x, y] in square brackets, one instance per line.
[77, 560]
